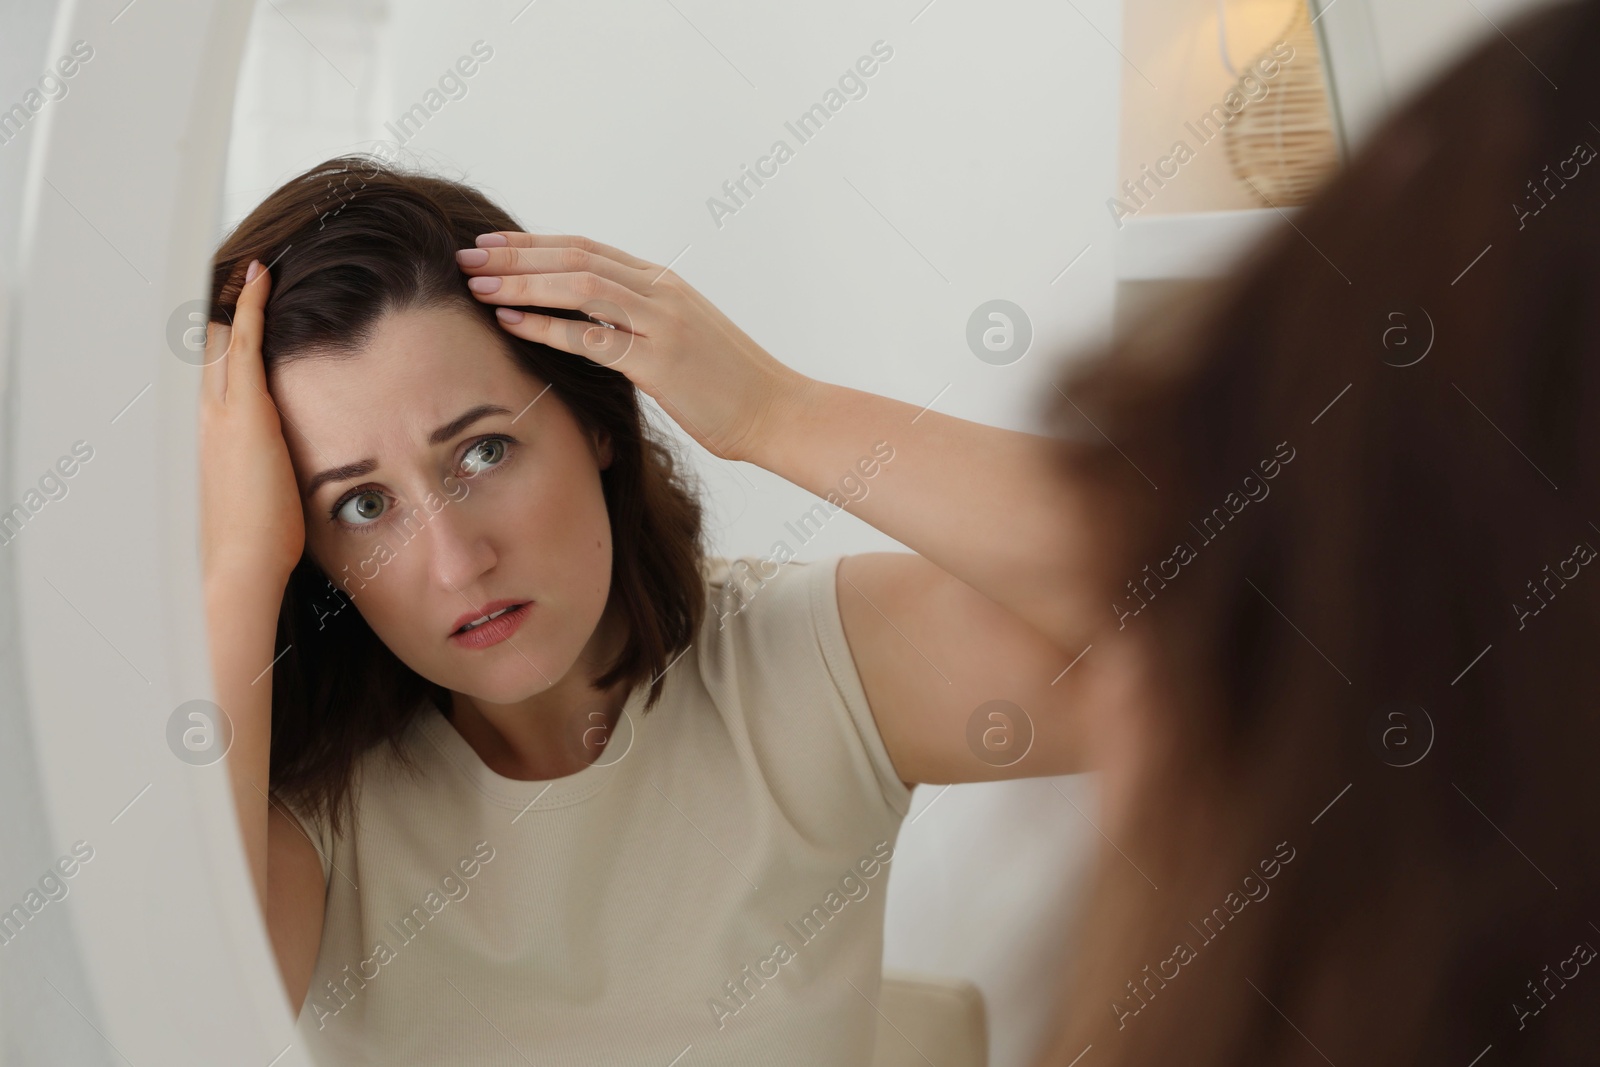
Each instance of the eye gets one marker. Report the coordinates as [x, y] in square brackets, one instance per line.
[484, 454]
[368, 502]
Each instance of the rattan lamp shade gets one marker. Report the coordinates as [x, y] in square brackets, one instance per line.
[1282, 147]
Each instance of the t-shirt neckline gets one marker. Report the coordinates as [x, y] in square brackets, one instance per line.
[527, 796]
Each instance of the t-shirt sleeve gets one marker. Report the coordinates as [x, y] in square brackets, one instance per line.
[317, 831]
[777, 630]
[824, 596]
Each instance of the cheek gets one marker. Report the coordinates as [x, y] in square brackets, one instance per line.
[560, 515]
[341, 557]
[559, 541]
[578, 553]
[379, 592]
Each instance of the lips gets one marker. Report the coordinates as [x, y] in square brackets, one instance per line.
[491, 608]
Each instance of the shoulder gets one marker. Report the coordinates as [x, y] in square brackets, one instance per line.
[752, 592]
[300, 825]
[770, 613]
[377, 775]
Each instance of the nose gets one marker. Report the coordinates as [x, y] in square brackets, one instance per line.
[459, 547]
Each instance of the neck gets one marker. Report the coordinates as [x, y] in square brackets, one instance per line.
[557, 731]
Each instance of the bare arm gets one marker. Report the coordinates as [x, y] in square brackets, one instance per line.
[252, 534]
[242, 618]
[934, 654]
[241, 615]
[296, 897]
[985, 504]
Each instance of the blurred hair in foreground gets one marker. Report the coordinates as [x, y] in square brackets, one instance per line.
[1428, 547]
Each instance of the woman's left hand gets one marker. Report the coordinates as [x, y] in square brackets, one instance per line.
[670, 341]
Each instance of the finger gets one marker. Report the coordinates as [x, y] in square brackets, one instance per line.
[518, 239]
[214, 372]
[245, 368]
[589, 293]
[603, 346]
[551, 260]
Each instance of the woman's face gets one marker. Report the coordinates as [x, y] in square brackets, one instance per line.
[508, 506]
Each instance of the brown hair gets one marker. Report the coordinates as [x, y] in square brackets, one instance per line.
[349, 241]
[1373, 761]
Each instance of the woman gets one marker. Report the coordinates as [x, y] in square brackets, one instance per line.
[1351, 753]
[519, 770]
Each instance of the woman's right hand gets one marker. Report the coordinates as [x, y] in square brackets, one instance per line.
[250, 510]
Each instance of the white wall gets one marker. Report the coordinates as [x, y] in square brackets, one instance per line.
[1415, 39]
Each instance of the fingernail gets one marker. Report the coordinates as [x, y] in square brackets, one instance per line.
[251, 271]
[472, 257]
[483, 285]
[508, 314]
[492, 240]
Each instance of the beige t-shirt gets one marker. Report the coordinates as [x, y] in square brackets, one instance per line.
[710, 891]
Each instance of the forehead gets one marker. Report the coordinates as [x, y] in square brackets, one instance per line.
[419, 369]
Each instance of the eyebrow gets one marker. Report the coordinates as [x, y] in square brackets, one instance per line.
[437, 437]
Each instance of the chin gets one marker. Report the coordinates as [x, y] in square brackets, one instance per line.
[512, 680]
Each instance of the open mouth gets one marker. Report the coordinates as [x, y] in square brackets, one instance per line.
[482, 619]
